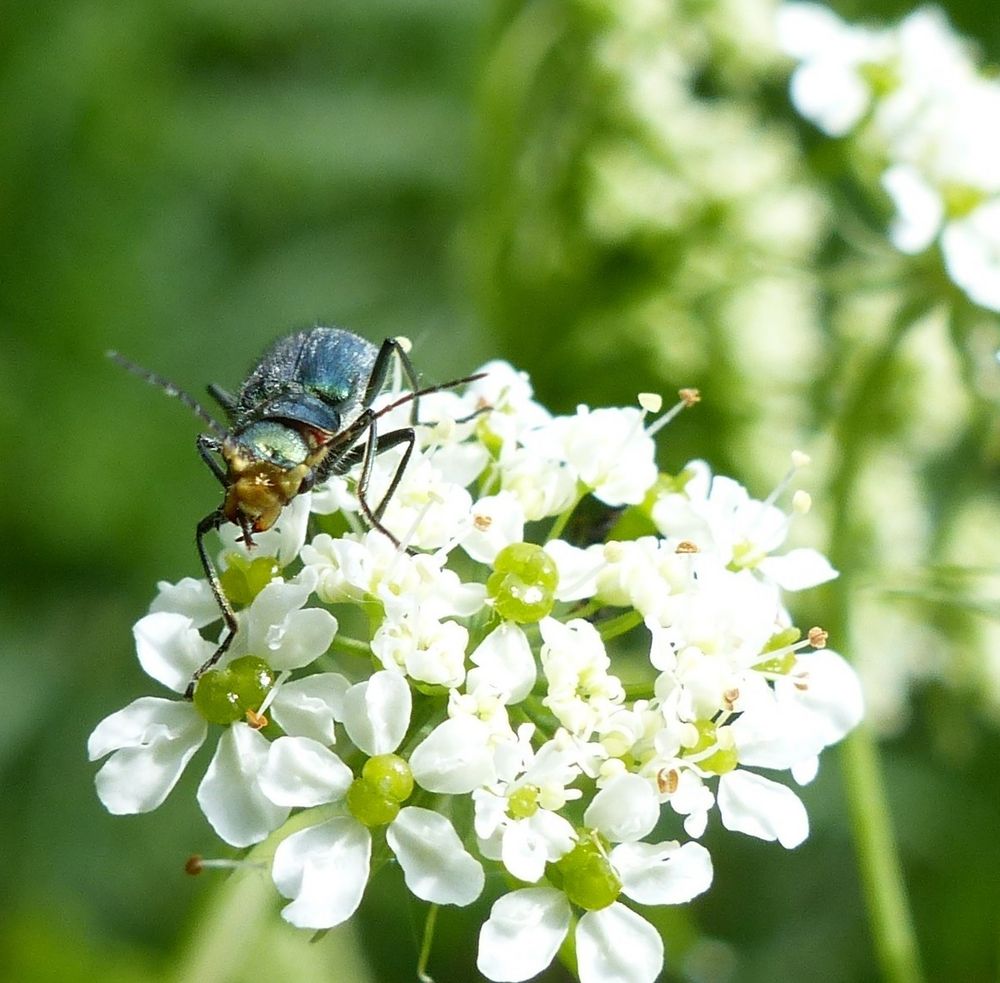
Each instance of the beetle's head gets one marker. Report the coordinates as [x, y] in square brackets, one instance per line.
[267, 467]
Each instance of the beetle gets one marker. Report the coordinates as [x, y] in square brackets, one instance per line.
[303, 414]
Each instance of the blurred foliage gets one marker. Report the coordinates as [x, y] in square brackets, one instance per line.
[613, 209]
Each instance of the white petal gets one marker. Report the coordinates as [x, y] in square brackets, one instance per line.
[455, 757]
[152, 741]
[523, 852]
[625, 810]
[505, 662]
[377, 712]
[229, 794]
[523, 934]
[436, 866]
[754, 805]
[578, 569]
[806, 29]
[308, 707]
[806, 770]
[971, 249]
[919, 208]
[271, 606]
[302, 772]
[663, 873]
[830, 692]
[529, 844]
[798, 569]
[301, 638]
[615, 945]
[325, 869]
[189, 596]
[170, 649]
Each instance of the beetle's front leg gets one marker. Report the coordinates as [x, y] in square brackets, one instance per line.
[207, 446]
[210, 522]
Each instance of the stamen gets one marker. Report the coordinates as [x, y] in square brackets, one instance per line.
[433, 498]
[283, 677]
[688, 397]
[196, 863]
[799, 460]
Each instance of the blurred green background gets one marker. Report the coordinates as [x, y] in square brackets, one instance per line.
[613, 195]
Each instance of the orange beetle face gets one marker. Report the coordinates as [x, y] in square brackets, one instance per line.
[257, 491]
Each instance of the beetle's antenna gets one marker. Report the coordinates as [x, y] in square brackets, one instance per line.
[441, 386]
[168, 387]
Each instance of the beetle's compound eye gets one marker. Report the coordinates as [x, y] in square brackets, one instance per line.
[308, 480]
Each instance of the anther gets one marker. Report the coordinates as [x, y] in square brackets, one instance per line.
[688, 397]
[257, 721]
[667, 781]
[817, 637]
[686, 546]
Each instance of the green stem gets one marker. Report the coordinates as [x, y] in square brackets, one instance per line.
[426, 944]
[878, 856]
[623, 623]
[560, 524]
[351, 646]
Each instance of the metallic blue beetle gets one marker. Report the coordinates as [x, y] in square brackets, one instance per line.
[299, 418]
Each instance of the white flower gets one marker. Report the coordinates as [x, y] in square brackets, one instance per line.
[581, 691]
[370, 566]
[277, 628]
[424, 504]
[324, 868]
[828, 86]
[609, 450]
[542, 485]
[718, 515]
[415, 642]
[526, 927]
[495, 521]
[732, 692]
[533, 834]
[151, 741]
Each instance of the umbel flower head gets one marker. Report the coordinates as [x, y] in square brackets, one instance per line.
[913, 97]
[372, 686]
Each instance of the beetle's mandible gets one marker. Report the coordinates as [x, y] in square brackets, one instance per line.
[303, 414]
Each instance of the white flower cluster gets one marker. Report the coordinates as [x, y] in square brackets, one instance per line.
[914, 96]
[488, 666]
